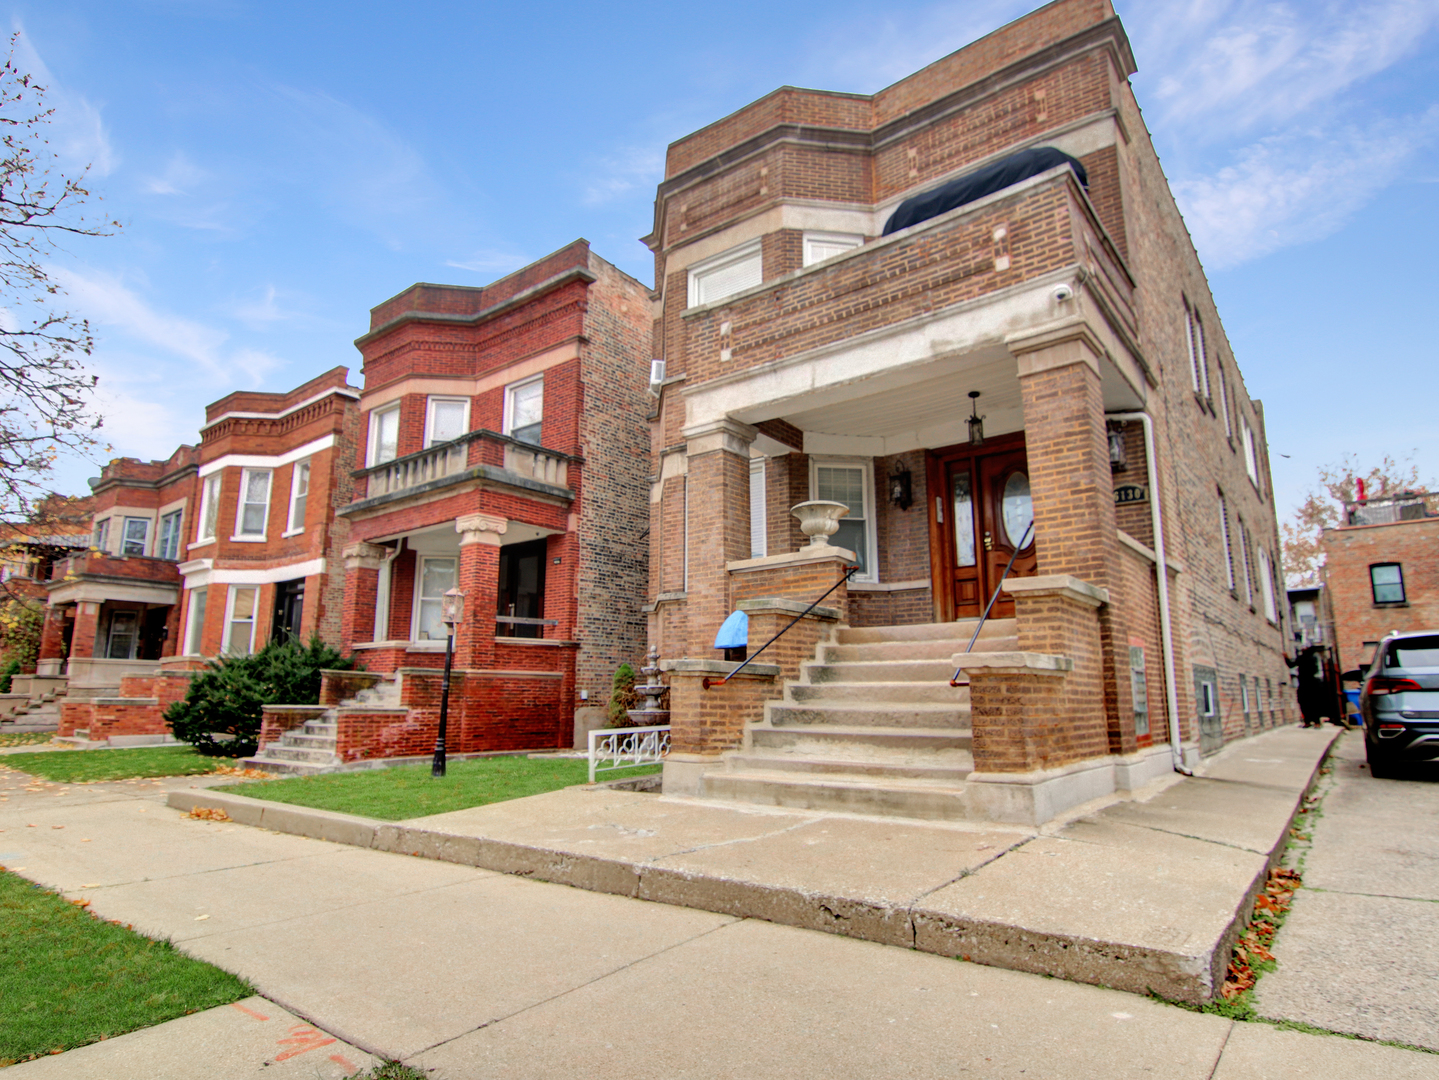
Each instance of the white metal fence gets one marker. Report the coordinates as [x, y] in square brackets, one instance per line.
[626, 747]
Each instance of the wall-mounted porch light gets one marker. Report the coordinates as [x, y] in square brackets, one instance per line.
[976, 422]
[1118, 459]
[901, 487]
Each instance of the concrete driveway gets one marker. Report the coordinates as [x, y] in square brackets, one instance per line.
[1360, 950]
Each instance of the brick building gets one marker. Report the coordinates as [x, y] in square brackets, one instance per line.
[503, 454]
[1381, 572]
[843, 281]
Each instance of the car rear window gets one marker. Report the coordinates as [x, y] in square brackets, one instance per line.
[1415, 652]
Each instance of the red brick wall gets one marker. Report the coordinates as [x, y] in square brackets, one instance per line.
[1348, 554]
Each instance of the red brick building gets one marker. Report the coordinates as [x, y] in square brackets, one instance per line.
[503, 453]
[1381, 572]
[843, 281]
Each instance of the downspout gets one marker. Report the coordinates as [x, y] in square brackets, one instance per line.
[1166, 628]
[382, 592]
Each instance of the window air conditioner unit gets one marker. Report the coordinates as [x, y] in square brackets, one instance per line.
[657, 375]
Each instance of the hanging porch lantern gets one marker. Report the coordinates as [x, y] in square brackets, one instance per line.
[976, 422]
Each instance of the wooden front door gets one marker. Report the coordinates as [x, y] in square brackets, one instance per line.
[979, 511]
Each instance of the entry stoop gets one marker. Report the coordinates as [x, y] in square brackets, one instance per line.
[311, 748]
[871, 726]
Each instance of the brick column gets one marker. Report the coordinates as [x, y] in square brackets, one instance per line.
[87, 625]
[718, 484]
[362, 573]
[479, 579]
[1073, 490]
[52, 635]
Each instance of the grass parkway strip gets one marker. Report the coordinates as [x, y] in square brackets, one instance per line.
[88, 766]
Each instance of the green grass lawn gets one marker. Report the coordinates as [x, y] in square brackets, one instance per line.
[25, 738]
[68, 978]
[83, 766]
[408, 791]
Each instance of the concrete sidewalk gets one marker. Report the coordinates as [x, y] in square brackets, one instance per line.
[470, 973]
[1142, 895]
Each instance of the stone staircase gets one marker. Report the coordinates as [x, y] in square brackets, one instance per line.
[872, 726]
[41, 714]
[310, 748]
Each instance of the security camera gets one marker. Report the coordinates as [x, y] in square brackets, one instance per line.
[1061, 293]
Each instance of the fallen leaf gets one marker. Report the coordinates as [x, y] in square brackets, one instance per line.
[57, 826]
[201, 918]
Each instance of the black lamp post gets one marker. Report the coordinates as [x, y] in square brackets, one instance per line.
[452, 610]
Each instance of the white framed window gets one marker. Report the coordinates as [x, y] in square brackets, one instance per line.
[433, 578]
[136, 537]
[384, 435]
[195, 623]
[102, 535]
[819, 246]
[525, 410]
[1244, 694]
[1198, 358]
[169, 545]
[446, 418]
[240, 620]
[299, 496]
[1251, 459]
[124, 633]
[725, 274]
[1224, 403]
[254, 508]
[851, 483]
[1208, 699]
[1228, 546]
[758, 530]
[1266, 583]
[1248, 567]
[209, 508]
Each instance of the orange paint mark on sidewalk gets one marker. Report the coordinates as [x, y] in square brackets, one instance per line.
[345, 1063]
[302, 1040]
[247, 1012]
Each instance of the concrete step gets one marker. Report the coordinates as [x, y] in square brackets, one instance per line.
[322, 728]
[877, 693]
[961, 630]
[887, 671]
[28, 726]
[933, 800]
[877, 741]
[280, 752]
[947, 715]
[283, 767]
[307, 742]
[804, 766]
[937, 649]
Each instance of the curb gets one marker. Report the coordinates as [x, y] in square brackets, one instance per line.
[1190, 976]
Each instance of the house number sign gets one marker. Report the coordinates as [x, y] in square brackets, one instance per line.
[1130, 493]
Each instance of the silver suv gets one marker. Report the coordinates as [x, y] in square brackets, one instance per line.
[1399, 702]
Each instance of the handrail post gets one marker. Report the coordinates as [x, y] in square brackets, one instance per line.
[990, 606]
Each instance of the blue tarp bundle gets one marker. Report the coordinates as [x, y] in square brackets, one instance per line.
[733, 632]
[976, 185]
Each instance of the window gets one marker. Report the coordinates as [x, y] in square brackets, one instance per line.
[1244, 697]
[446, 419]
[758, 539]
[1248, 568]
[1224, 402]
[436, 577]
[851, 485]
[299, 496]
[384, 435]
[1266, 583]
[254, 506]
[524, 410]
[1387, 582]
[209, 508]
[819, 246]
[1228, 547]
[121, 642]
[170, 535]
[1198, 361]
[1251, 459]
[195, 623]
[734, 271]
[102, 535]
[240, 625]
[137, 534]
[1139, 690]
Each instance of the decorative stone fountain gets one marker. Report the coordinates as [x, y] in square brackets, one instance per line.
[650, 714]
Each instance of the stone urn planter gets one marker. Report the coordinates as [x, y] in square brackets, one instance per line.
[819, 519]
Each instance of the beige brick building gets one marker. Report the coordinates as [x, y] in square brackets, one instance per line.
[842, 282]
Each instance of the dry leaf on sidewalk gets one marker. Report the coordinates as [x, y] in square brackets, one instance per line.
[208, 813]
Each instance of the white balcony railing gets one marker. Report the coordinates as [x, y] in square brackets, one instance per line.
[537, 463]
[416, 469]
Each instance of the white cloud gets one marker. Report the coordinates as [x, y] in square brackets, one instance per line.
[181, 177]
[615, 176]
[77, 131]
[489, 261]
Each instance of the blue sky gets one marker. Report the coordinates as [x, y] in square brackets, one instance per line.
[280, 168]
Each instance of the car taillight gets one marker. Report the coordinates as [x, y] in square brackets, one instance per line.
[1392, 686]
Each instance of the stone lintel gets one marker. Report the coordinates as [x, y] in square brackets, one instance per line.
[480, 529]
[1058, 345]
[779, 605]
[808, 554]
[1015, 663]
[363, 556]
[1073, 589]
[699, 667]
[723, 434]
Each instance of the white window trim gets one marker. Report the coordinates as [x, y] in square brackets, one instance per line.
[420, 560]
[168, 512]
[430, 413]
[867, 464]
[1224, 402]
[194, 633]
[508, 425]
[758, 516]
[1189, 340]
[1251, 455]
[723, 261]
[372, 442]
[211, 488]
[1202, 351]
[1266, 585]
[149, 533]
[849, 241]
[291, 529]
[230, 592]
[1228, 544]
[253, 538]
[102, 543]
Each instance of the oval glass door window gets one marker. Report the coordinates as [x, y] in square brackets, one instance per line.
[1017, 508]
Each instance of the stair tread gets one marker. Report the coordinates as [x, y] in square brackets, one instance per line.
[835, 780]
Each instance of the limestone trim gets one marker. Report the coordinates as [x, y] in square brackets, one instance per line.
[889, 586]
[1141, 549]
[729, 435]
[481, 529]
[98, 590]
[211, 575]
[692, 666]
[807, 554]
[1070, 588]
[362, 556]
[470, 387]
[1016, 663]
[1072, 341]
[764, 605]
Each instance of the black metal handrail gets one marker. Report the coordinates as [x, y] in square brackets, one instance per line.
[990, 606]
[747, 660]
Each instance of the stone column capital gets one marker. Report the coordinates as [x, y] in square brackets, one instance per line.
[480, 529]
[363, 556]
[1072, 342]
[724, 434]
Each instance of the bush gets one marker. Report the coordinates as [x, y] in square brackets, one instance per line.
[622, 696]
[8, 672]
[227, 699]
